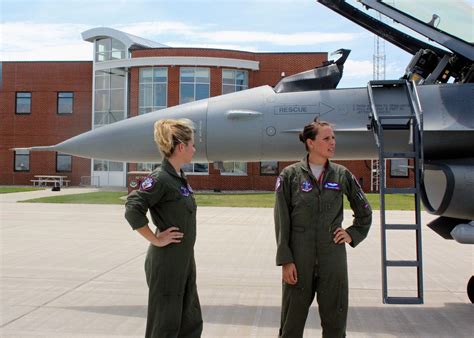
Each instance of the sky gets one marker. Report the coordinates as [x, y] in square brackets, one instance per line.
[37, 30]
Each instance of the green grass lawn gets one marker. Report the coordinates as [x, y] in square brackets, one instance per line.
[255, 200]
[7, 190]
[107, 197]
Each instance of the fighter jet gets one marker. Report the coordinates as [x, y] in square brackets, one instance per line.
[434, 96]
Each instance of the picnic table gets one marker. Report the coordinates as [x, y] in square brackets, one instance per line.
[55, 180]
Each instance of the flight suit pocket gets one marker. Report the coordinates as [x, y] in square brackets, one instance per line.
[298, 229]
[342, 305]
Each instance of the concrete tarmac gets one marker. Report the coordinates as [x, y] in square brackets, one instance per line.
[77, 271]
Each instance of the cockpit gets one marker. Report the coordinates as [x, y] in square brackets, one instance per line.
[437, 33]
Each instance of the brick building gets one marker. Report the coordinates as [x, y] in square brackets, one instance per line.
[44, 103]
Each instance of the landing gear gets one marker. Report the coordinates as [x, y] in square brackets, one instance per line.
[470, 289]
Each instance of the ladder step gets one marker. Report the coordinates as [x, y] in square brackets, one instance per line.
[400, 191]
[409, 154]
[402, 226]
[402, 263]
[403, 300]
[389, 83]
[394, 117]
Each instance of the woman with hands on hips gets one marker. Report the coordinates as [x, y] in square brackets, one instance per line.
[310, 238]
[173, 303]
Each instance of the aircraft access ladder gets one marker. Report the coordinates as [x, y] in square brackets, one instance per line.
[396, 113]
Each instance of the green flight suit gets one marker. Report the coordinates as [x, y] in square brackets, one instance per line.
[307, 212]
[173, 302]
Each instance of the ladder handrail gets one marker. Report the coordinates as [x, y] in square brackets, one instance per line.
[418, 110]
[415, 122]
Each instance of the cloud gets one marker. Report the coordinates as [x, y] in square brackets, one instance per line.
[25, 41]
[209, 34]
[247, 48]
[293, 39]
[154, 29]
[364, 69]
[354, 68]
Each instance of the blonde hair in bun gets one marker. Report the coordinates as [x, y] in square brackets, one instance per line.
[169, 133]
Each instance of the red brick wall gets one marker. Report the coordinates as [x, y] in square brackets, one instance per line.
[43, 126]
[271, 66]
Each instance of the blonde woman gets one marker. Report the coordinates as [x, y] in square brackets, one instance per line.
[173, 302]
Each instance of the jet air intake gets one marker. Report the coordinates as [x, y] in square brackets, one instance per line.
[447, 188]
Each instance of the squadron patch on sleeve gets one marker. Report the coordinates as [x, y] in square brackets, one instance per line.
[190, 189]
[278, 183]
[147, 184]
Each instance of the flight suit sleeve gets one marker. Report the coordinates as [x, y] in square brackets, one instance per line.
[361, 208]
[138, 202]
[282, 220]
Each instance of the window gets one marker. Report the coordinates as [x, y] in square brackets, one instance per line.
[63, 163]
[22, 160]
[235, 168]
[65, 102]
[147, 166]
[109, 105]
[269, 168]
[194, 84]
[153, 89]
[109, 49]
[103, 165]
[196, 168]
[23, 103]
[234, 80]
[399, 167]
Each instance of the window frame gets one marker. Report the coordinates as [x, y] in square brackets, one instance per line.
[63, 155]
[15, 154]
[30, 103]
[274, 173]
[202, 173]
[234, 77]
[145, 109]
[58, 99]
[194, 83]
[148, 166]
[233, 173]
[395, 168]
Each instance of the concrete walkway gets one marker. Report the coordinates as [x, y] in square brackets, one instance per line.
[77, 271]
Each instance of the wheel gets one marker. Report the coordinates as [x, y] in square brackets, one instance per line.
[470, 289]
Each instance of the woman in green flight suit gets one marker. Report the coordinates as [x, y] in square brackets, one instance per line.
[310, 238]
[173, 302]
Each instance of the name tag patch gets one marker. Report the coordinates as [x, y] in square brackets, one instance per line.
[332, 186]
[306, 186]
[147, 183]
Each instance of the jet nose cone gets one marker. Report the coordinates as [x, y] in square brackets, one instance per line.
[132, 140]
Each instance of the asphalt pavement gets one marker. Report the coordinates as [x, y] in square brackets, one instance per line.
[77, 271]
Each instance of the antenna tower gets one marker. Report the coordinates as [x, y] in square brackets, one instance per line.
[378, 74]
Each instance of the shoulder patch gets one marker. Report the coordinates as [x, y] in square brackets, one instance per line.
[148, 183]
[278, 183]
